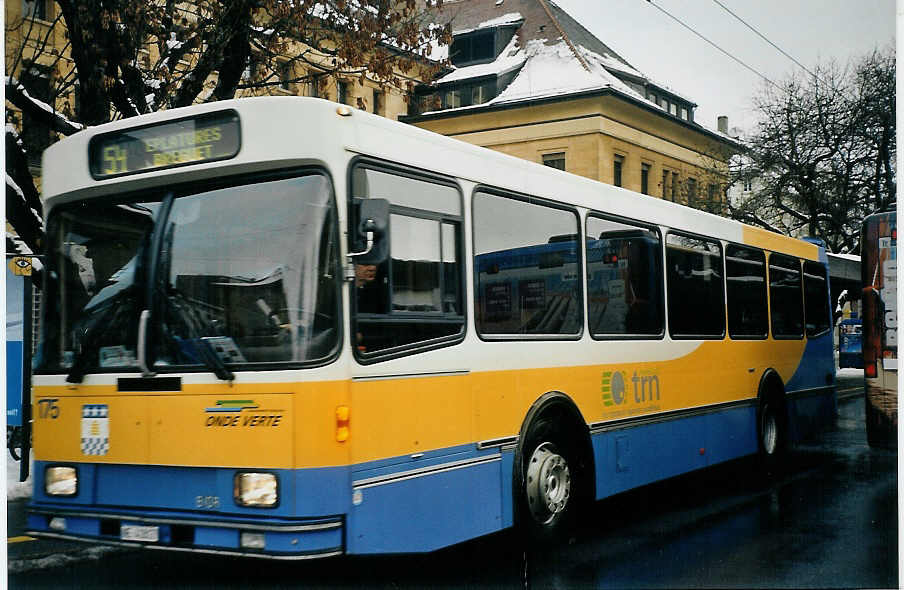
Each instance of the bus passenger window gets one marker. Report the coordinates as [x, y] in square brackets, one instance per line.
[624, 279]
[526, 267]
[412, 300]
[786, 297]
[745, 279]
[816, 298]
[695, 288]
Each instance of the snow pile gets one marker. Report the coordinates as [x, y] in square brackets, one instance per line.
[61, 559]
[15, 489]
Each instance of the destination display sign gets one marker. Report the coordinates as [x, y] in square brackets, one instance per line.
[204, 138]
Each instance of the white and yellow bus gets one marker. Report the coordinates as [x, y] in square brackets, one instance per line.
[286, 328]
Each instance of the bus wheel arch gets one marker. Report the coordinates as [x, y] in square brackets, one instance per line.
[553, 476]
[772, 428]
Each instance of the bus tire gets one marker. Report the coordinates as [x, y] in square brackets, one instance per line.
[772, 434]
[552, 482]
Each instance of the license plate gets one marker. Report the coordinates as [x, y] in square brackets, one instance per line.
[134, 532]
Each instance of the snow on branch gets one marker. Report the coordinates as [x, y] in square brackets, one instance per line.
[11, 184]
[17, 94]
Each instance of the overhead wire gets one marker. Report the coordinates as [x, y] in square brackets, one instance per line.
[725, 52]
[764, 38]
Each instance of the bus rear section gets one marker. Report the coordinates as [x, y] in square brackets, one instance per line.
[880, 327]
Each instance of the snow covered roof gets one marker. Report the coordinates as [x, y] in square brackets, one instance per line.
[512, 18]
[556, 55]
[552, 70]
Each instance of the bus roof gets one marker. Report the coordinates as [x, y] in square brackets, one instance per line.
[280, 132]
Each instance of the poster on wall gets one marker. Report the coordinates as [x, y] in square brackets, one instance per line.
[18, 357]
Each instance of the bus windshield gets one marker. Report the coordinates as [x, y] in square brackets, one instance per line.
[248, 273]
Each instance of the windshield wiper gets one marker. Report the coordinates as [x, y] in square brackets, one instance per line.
[108, 315]
[194, 326]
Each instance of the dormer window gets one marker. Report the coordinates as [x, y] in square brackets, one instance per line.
[475, 47]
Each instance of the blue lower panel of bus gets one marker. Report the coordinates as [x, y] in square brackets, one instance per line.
[422, 508]
[302, 492]
[287, 538]
[810, 412]
[637, 455]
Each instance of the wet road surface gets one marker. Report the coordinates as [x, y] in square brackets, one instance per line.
[827, 519]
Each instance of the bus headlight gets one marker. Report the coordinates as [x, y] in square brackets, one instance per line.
[60, 481]
[258, 490]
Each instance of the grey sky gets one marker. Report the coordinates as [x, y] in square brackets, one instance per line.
[809, 30]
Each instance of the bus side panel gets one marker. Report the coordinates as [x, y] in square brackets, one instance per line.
[419, 512]
[633, 457]
[811, 391]
[731, 434]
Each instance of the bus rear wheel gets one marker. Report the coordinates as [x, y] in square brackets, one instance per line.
[550, 483]
[772, 435]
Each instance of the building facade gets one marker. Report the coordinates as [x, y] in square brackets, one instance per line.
[528, 80]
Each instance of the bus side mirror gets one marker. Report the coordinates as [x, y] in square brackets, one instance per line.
[373, 231]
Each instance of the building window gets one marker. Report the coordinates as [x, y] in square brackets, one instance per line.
[645, 179]
[556, 160]
[748, 185]
[673, 109]
[342, 92]
[482, 93]
[473, 47]
[713, 194]
[285, 74]
[313, 87]
[684, 113]
[452, 99]
[691, 192]
[665, 184]
[34, 9]
[653, 99]
[617, 170]
[379, 103]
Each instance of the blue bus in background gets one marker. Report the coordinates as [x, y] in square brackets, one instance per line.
[850, 344]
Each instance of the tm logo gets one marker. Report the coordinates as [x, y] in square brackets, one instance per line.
[615, 390]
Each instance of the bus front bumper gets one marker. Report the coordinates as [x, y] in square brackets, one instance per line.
[284, 539]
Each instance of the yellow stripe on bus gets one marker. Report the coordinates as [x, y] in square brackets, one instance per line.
[294, 425]
[767, 240]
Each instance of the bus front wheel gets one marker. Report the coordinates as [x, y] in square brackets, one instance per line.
[551, 480]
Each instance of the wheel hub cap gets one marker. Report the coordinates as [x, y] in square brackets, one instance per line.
[548, 483]
[770, 433]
